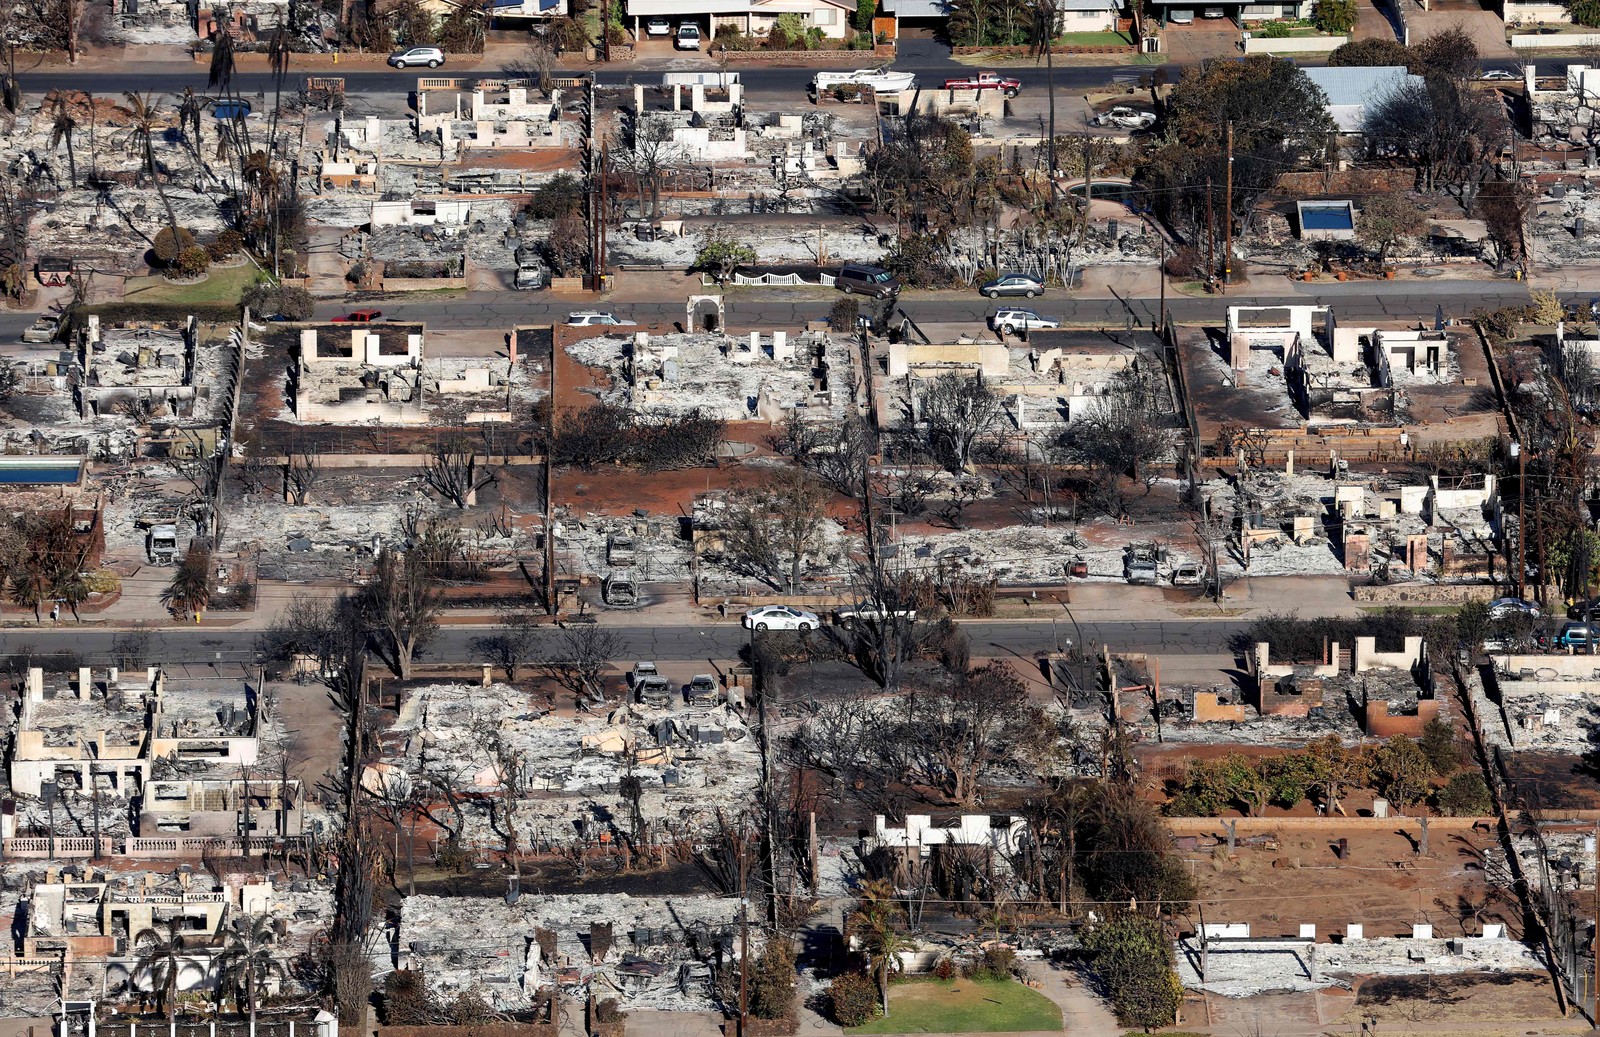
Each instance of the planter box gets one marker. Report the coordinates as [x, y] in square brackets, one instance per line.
[421, 284]
[566, 284]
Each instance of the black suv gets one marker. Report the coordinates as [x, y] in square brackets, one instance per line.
[869, 280]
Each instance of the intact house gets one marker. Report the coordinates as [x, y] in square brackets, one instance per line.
[750, 17]
[1352, 90]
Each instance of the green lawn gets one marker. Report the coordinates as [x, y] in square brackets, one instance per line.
[964, 1006]
[223, 286]
[1092, 39]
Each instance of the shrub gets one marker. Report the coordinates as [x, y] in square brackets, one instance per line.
[995, 964]
[1186, 262]
[406, 1001]
[217, 252]
[192, 262]
[266, 298]
[772, 983]
[1274, 31]
[608, 1011]
[852, 999]
[1466, 796]
[229, 243]
[168, 246]
[1440, 746]
[847, 92]
[561, 195]
[1133, 958]
[945, 968]
[842, 318]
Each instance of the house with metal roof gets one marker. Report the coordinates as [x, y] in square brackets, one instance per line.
[1350, 89]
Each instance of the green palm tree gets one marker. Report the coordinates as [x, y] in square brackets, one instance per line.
[190, 588]
[249, 961]
[160, 953]
[875, 920]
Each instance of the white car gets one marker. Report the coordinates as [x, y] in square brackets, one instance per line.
[688, 37]
[1126, 118]
[658, 26]
[1499, 75]
[780, 617]
[594, 318]
[1009, 322]
[433, 57]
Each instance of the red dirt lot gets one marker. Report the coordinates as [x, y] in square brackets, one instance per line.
[1279, 883]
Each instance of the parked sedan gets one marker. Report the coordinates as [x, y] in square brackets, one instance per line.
[1499, 75]
[658, 26]
[780, 617]
[1013, 284]
[1500, 608]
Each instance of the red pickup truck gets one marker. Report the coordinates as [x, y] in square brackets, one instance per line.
[986, 81]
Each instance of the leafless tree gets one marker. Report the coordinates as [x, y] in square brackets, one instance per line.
[953, 412]
[300, 476]
[510, 775]
[647, 152]
[838, 452]
[513, 640]
[1121, 435]
[773, 527]
[402, 604]
[578, 659]
[452, 471]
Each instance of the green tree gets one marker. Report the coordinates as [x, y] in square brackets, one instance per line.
[1441, 746]
[865, 10]
[722, 252]
[1134, 959]
[1402, 771]
[250, 961]
[1291, 777]
[1336, 17]
[1584, 12]
[1279, 123]
[189, 590]
[159, 955]
[1472, 622]
[876, 922]
[1466, 795]
[561, 195]
[1387, 218]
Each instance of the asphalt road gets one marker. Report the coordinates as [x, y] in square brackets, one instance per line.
[775, 308]
[662, 643]
[930, 61]
[750, 308]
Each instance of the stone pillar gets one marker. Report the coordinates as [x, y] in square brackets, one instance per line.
[638, 97]
[488, 677]
[85, 683]
[35, 684]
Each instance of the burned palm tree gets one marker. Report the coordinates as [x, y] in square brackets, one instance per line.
[191, 113]
[63, 125]
[145, 113]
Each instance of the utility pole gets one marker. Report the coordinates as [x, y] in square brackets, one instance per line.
[600, 227]
[744, 939]
[1522, 529]
[1162, 269]
[1211, 236]
[1227, 220]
